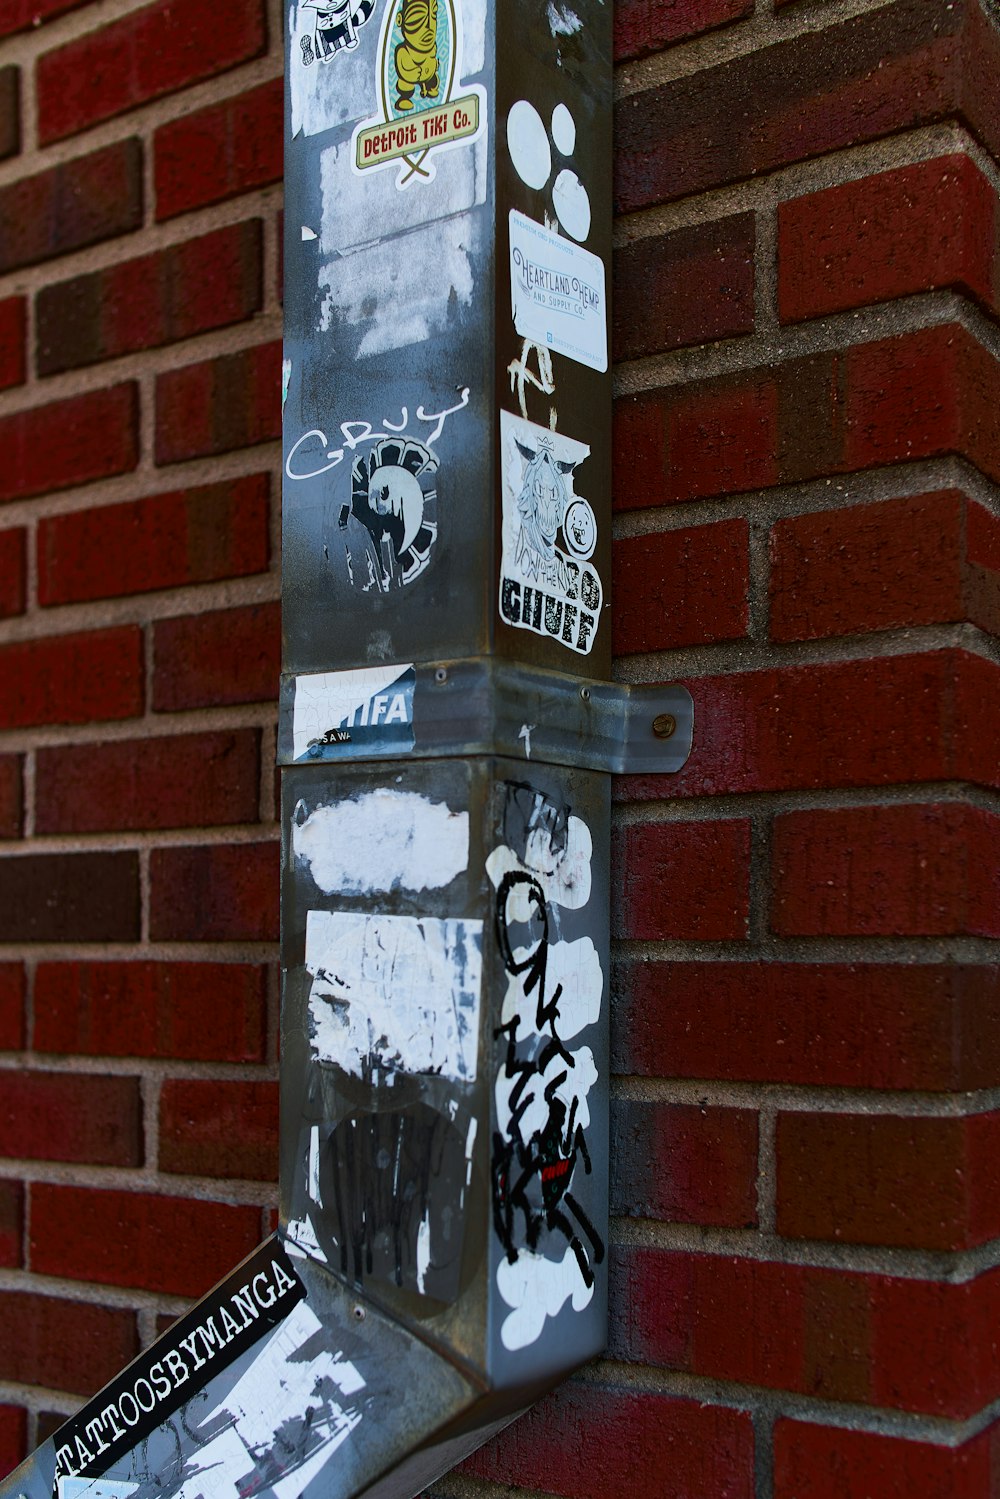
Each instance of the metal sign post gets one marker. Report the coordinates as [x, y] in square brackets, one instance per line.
[447, 736]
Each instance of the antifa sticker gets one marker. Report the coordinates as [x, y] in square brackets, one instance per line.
[252, 1302]
[370, 709]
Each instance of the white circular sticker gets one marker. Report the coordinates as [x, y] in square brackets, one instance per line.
[563, 130]
[580, 528]
[528, 144]
[572, 205]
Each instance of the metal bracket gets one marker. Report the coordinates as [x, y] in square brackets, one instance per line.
[486, 706]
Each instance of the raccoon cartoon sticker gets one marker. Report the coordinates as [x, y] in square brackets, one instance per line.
[337, 25]
[423, 105]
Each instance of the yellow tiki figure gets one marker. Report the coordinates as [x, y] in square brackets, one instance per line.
[416, 55]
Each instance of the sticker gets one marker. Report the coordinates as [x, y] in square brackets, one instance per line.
[253, 1301]
[547, 585]
[554, 993]
[337, 26]
[370, 708]
[531, 158]
[558, 289]
[423, 104]
[381, 840]
[394, 994]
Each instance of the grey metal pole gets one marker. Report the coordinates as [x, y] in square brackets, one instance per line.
[447, 738]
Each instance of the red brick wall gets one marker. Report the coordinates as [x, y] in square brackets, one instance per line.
[806, 1285]
[140, 325]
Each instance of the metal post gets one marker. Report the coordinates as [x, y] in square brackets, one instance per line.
[447, 738]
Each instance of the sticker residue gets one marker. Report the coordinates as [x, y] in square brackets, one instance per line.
[394, 993]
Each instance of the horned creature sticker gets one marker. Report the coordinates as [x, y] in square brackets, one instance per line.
[547, 583]
[423, 104]
[389, 523]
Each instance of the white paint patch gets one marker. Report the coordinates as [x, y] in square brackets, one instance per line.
[564, 130]
[563, 874]
[537, 1288]
[572, 204]
[574, 965]
[397, 993]
[562, 20]
[402, 291]
[525, 734]
[528, 144]
[383, 840]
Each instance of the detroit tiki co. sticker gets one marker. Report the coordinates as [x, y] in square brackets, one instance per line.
[548, 583]
[423, 105]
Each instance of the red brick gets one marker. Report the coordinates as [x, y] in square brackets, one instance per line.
[54, 1116]
[927, 717]
[909, 870]
[196, 535]
[150, 53]
[13, 1437]
[214, 893]
[823, 1462]
[684, 1163]
[185, 780]
[61, 1344]
[86, 437]
[10, 112]
[199, 1012]
[902, 66]
[219, 152]
[72, 205]
[221, 404]
[11, 1006]
[172, 1245]
[688, 287]
[686, 587]
[173, 294]
[72, 678]
[933, 1027]
[562, 1446]
[924, 394]
[898, 563]
[11, 1223]
[906, 1344]
[916, 1183]
[644, 26]
[13, 340]
[895, 234]
[13, 581]
[231, 656]
[23, 15]
[686, 880]
[227, 1129]
[92, 897]
[11, 796]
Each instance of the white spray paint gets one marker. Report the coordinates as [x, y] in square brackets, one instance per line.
[383, 840]
[538, 1288]
[397, 993]
[525, 734]
[528, 144]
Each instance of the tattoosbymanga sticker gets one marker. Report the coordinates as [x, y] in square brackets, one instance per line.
[424, 106]
[547, 582]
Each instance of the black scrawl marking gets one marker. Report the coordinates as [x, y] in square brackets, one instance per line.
[382, 1177]
[532, 1172]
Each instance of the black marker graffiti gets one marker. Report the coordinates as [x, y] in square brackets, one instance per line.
[534, 1165]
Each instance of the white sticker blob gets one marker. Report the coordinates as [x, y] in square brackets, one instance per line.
[528, 144]
[397, 994]
[383, 840]
[572, 205]
[563, 130]
[538, 1288]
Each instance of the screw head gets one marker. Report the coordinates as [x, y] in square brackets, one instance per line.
[441, 675]
[664, 724]
[359, 1313]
